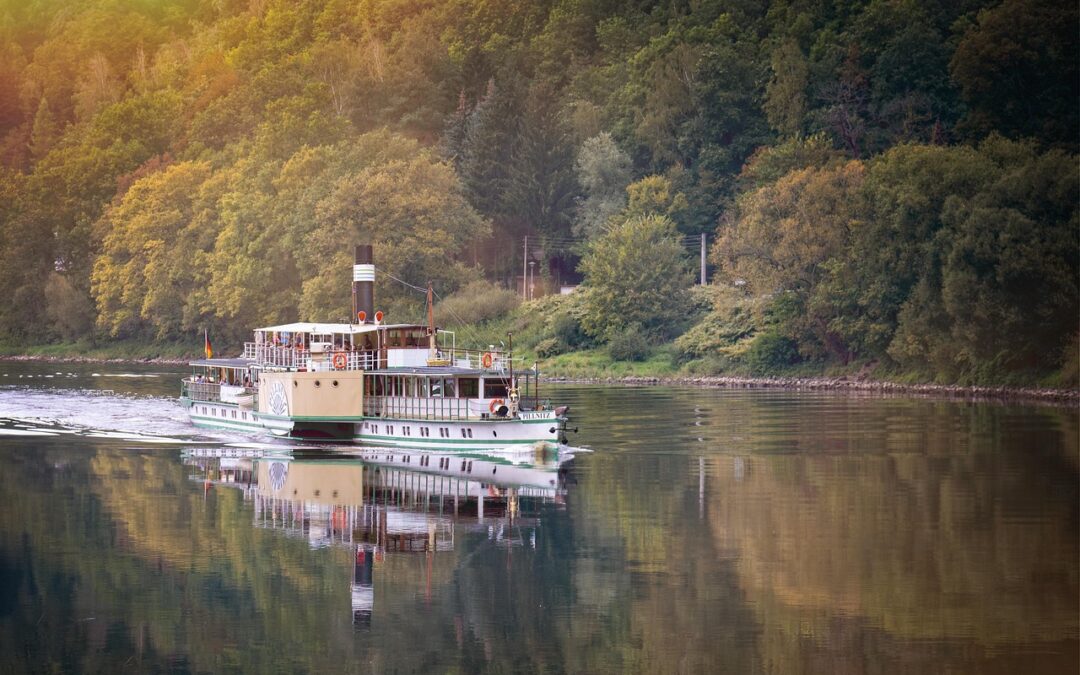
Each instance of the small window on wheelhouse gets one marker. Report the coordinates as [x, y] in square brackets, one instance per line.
[494, 388]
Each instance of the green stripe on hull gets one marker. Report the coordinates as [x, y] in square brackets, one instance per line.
[216, 423]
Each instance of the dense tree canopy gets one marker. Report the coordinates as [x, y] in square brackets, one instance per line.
[183, 164]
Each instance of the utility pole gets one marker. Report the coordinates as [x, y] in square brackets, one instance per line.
[702, 258]
[525, 271]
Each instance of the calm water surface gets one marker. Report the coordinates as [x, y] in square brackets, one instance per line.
[702, 532]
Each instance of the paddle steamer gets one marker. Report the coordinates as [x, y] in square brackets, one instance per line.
[372, 382]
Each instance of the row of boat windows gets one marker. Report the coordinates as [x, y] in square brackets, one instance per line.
[440, 387]
[213, 412]
[424, 432]
[444, 462]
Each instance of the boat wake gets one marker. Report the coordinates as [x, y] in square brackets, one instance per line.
[105, 415]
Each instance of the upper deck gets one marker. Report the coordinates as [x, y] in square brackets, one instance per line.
[315, 347]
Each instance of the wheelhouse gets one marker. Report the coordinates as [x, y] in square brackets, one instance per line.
[445, 392]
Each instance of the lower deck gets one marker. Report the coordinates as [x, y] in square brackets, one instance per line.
[219, 415]
[450, 435]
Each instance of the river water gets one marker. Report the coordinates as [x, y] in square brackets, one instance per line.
[693, 531]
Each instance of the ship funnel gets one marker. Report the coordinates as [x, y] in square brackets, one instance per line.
[363, 284]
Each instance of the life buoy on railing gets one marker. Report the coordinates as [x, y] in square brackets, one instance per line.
[340, 361]
[495, 404]
[486, 360]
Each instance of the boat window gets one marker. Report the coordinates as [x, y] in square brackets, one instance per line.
[468, 387]
[494, 388]
[448, 388]
[436, 387]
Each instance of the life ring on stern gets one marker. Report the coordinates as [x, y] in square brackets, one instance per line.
[495, 404]
[340, 361]
[487, 359]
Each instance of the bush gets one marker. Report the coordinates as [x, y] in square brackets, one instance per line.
[549, 347]
[567, 329]
[629, 345]
[771, 352]
[477, 302]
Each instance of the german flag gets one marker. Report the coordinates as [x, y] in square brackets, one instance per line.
[207, 347]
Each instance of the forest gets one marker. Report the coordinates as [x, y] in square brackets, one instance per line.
[879, 183]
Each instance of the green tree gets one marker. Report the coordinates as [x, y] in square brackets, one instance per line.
[45, 132]
[785, 95]
[414, 213]
[1018, 68]
[145, 274]
[1002, 295]
[905, 191]
[26, 250]
[784, 240]
[636, 274]
[604, 171]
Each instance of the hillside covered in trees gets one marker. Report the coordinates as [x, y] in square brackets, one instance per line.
[882, 181]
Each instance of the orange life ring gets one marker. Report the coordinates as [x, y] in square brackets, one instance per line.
[340, 361]
[486, 360]
[495, 403]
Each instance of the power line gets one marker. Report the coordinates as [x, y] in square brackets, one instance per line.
[403, 283]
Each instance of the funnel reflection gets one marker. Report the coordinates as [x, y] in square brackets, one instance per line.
[381, 502]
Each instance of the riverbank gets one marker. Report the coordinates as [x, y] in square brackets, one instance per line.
[973, 393]
[1070, 397]
[172, 361]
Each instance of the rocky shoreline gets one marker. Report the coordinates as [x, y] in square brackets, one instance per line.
[1070, 397]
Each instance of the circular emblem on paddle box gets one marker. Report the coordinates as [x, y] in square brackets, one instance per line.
[279, 400]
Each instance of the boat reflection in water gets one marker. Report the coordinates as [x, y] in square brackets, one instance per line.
[380, 501]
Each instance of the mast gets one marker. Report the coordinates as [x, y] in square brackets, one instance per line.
[513, 392]
[510, 355]
[432, 347]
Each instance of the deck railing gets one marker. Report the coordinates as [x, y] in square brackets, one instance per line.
[275, 356]
[211, 392]
[409, 407]
[201, 391]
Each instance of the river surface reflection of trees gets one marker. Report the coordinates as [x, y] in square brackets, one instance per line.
[707, 532]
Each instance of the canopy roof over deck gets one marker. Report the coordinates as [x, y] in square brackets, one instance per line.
[433, 371]
[223, 363]
[332, 328]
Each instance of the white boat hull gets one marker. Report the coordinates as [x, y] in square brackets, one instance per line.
[445, 435]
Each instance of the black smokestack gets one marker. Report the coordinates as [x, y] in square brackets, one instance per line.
[363, 285]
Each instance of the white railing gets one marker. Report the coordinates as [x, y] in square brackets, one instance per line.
[275, 356]
[216, 392]
[410, 407]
